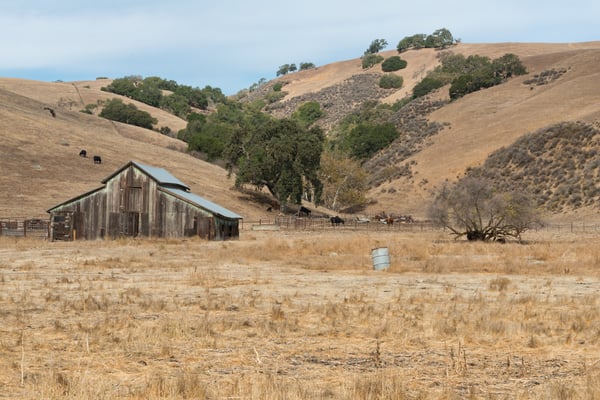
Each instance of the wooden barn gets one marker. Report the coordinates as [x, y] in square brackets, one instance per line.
[140, 200]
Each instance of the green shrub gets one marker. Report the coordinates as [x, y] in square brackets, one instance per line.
[366, 139]
[390, 81]
[393, 63]
[427, 85]
[369, 60]
[272, 97]
[116, 110]
[308, 113]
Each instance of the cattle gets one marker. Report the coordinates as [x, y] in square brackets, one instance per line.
[304, 211]
[51, 111]
[335, 221]
[362, 220]
[97, 160]
[83, 153]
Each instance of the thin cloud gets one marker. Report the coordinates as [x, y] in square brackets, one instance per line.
[231, 44]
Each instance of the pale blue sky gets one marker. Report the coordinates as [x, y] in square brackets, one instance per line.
[231, 44]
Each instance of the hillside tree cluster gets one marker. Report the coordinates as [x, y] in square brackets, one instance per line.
[439, 39]
[165, 94]
[469, 74]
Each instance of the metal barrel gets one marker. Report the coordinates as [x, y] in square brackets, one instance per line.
[381, 258]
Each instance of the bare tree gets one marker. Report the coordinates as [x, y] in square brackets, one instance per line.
[472, 208]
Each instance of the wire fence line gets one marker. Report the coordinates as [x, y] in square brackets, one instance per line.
[39, 228]
[320, 224]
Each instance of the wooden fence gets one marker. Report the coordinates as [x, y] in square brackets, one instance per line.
[35, 227]
[39, 227]
[291, 223]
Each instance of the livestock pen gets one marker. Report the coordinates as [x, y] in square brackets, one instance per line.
[20, 227]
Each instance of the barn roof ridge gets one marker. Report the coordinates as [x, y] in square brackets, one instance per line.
[167, 183]
[160, 175]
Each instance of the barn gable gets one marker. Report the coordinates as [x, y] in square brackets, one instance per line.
[141, 200]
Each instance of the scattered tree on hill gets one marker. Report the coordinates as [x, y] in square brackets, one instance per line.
[280, 155]
[427, 85]
[286, 68]
[440, 39]
[306, 65]
[150, 91]
[469, 74]
[390, 81]
[116, 110]
[376, 46]
[366, 139]
[308, 113]
[416, 41]
[393, 63]
[472, 208]
[368, 60]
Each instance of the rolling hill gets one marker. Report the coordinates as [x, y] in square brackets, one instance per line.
[41, 167]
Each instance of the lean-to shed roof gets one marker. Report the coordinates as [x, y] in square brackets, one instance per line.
[202, 203]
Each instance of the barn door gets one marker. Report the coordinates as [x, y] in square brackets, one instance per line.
[62, 226]
[205, 226]
[132, 224]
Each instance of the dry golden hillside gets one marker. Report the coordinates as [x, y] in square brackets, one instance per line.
[39, 154]
[487, 120]
[481, 122]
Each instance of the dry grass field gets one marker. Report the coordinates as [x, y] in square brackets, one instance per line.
[301, 315]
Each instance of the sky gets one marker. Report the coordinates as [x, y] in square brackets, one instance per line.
[232, 44]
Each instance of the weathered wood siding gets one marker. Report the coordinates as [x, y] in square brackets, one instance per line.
[87, 215]
[134, 204]
[130, 199]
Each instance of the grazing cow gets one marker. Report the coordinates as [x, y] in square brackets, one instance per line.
[335, 221]
[83, 153]
[304, 211]
[51, 111]
[97, 160]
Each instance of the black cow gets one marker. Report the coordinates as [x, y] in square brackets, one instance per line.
[83, 153]
[51, 111]
[97, 160]
[304, 211]
[335, 221]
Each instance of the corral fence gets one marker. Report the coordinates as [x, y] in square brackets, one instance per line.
[39, 227]
[292, 223]
[21, 227]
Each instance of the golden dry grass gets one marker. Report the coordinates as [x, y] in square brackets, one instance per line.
[300, 315]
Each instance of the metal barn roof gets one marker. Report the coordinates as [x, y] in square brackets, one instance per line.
[203, 203]
[162, 176]
[169, 184]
